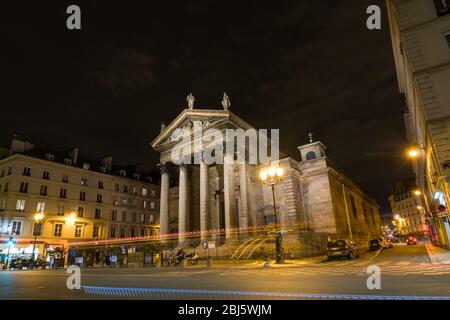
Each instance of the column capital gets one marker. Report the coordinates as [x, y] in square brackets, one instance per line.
[163, 167]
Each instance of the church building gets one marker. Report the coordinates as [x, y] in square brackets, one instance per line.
[224, 203]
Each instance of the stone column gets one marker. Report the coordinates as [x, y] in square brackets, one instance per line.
[182, 204]
[164, 206]
[243, 212]
[204, 199]
[227, 193]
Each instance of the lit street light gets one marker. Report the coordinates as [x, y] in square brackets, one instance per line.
[271, 176]
[37, 220]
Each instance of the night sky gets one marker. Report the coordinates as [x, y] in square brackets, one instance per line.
[299, 66]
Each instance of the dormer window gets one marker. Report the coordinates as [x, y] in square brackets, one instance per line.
[123, 173]
[136, 176]
[86, 166]
[49, 157]
[68, 162]
[442, 7]
[102, 169]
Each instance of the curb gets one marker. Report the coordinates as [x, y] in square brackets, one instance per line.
[431, 255]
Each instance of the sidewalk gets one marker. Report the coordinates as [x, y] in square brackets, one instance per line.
[437, 255]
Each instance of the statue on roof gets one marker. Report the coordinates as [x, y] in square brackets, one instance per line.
[190, 100]
[226, 103]
[163, 126]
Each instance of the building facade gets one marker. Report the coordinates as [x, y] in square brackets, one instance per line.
[224, 202]
[408, 209]
[80, 200]
[420, 32]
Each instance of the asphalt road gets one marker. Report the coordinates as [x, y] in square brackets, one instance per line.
[405, 271]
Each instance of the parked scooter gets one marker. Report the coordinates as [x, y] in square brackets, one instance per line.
[192, 258]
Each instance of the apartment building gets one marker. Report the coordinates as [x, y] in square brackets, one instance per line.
[75, 199]
[420, 33]
[408, 209]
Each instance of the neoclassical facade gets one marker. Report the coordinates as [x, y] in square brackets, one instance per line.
[221, 202]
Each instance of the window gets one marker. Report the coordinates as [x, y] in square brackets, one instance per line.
[113, 232]
[116, 187]
[80, 212]
[144, 192]
[124, 202]
[60, 211]
[16, 227]
[57, 231]
[124, 216]
[152, 193]
[37, 229]
[68, 162]
[311, 156]
[78, 230]
[40, 207]
[6, 187]
[122, 232]
[9, 171]
[353, 204]
[83, 182]
[142, 232]
[123, 173]
[152, 218]
[3, 173]
[134, 203]
[43, 191]
[99, 198]
[46, 175]
[20, 205]
[152, 205]
[100, 184]
[132, 232]
[98, 213]
[135, 191]
[125, 189]
[82, 196]
[447, 37]
[114, 215]
[136, 176]
[142, 219]
[95, 231]
[86, 166]
[65, 178]
[133, 217]
[442, 7]
[49, 157]
[144, 204]
[23, 187]
[26, 171]
[63, 193]
[2, 205]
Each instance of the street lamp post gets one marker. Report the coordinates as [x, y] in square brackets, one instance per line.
[37, 219]
[270, 176]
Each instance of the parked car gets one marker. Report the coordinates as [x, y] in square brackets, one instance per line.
[375, 244]
[38, 264]
[411, 241]
[342, 249]
[20, 263]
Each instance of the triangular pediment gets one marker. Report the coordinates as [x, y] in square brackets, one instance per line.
[191, 119]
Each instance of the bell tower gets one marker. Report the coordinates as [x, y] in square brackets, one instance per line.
[313, 150]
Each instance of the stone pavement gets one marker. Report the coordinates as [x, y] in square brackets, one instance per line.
[437, 255]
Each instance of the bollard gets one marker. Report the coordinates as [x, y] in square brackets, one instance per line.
[266, 262]
[209, 262]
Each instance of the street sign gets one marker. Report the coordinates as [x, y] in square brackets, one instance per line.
[211, 244]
